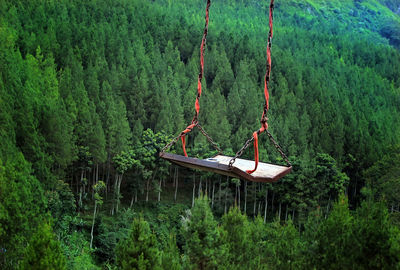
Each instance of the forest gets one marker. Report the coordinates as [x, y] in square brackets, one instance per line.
[91, 91]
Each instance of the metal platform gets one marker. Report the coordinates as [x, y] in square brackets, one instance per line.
[220, 164]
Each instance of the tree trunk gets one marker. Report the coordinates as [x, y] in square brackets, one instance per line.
[108, 173]
[287, 208]
[280, 204]
[176, 176]
[266, 206]
[219, 195]
[245, 197]
[239, 195]
[327, 207]
[79, 187]
[194, 188]
[212, 197]
[115, 195]
[199, 192]
[226, 192]
[236, 194]
[94, 217]
[272, 203]
[159, 190]
[92, 177]
[135, 195]
[103, 174]
[355, 189]
[119, 191]
[206, 193]
[147, 189]
[173, 179]
[255, 198]
[97, 173]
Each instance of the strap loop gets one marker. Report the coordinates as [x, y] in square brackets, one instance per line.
[183, 134]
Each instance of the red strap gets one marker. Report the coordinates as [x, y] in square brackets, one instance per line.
[255, 143]
[202, 48]
[271, 6]
[264, 125]
[197, 103]
[268, 72]
[266, 79]
[183, 145]
[188, 129]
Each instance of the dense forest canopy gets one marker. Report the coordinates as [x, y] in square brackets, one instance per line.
[90, 91]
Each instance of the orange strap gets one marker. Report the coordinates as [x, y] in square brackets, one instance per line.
[197, 103]
[264, 125]
[183, 145]
[255, 143]
[188, 129]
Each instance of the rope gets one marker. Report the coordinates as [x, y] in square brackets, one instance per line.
[202, 49]
[264, 117]
[197, 103]
[195, 122]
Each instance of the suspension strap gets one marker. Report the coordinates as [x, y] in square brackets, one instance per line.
[195, 122]
[264, 117]
[197, 103]
[187, 130]
[202, 49]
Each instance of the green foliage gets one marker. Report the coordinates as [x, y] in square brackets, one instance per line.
[170, 257]
[365, 240]
[89, 90]
[202, 243]
[61, 203]
[237, 243]
[283, 247]
[384, 177]
[139, 250]
[77, 252]
[22, 205]
[333, 240]
[109, 232]
[378, 239]
[43, 251]
[332, 181]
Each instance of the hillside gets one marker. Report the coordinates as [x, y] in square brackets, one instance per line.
[378, 20]
[90, 92]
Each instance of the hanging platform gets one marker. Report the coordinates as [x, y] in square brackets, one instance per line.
[220, 164]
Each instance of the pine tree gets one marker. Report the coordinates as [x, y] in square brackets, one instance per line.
[22, 205]
[43, 251]
[236, 235]
[375, 236]
[170, 258]
[331, 242]
[283, 247]
[201, 236]
[138, 251]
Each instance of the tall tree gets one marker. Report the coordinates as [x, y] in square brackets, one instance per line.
[44, 250]
[139, 249]
[201, 236]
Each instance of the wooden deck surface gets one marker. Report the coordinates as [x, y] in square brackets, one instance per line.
[220, 164]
